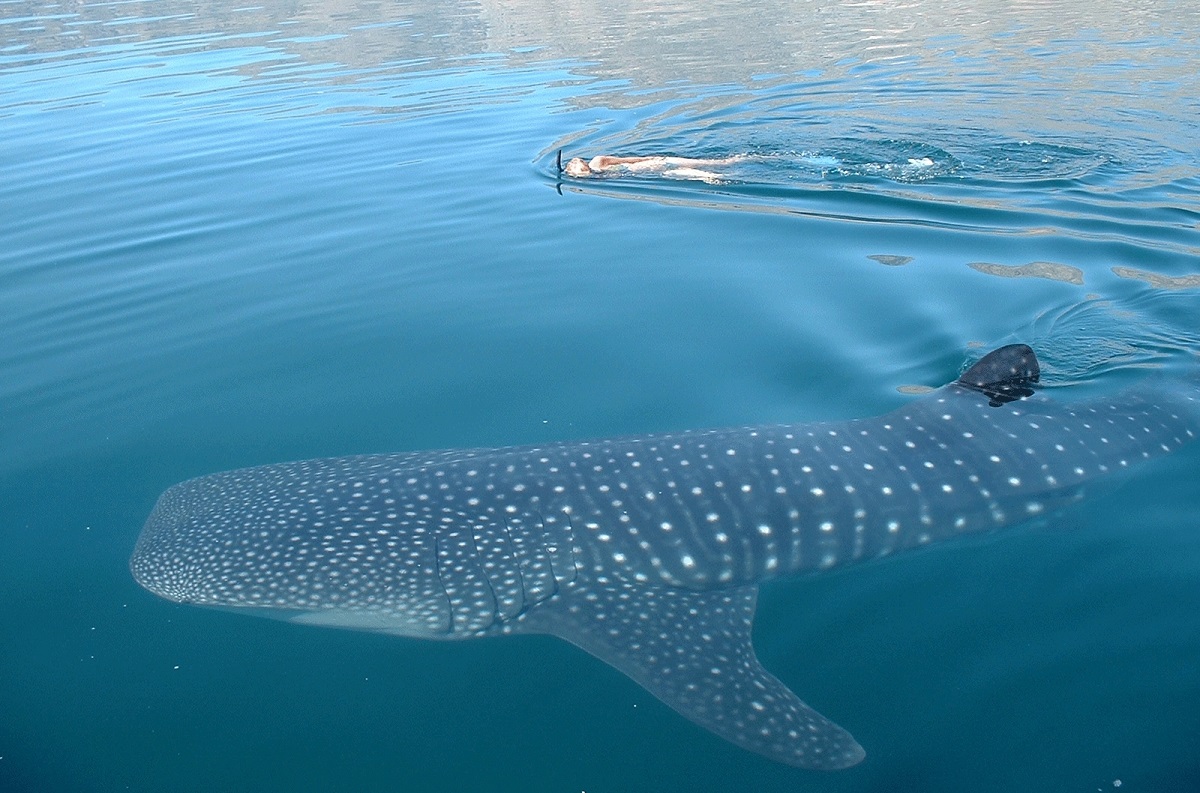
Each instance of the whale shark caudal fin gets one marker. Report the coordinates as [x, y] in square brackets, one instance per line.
[692, 650]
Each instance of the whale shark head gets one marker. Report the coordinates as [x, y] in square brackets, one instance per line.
[319, 542]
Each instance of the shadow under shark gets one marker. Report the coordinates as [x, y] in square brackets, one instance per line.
[647, 551]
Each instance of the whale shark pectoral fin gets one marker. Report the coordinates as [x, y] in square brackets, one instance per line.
[693, 651]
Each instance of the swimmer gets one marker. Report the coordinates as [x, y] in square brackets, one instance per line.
[674, 167]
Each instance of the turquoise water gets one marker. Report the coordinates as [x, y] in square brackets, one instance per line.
[241, 235]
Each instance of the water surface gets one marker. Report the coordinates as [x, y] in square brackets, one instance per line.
[239, 235]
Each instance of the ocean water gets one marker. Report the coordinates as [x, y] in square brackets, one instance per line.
[233, 235]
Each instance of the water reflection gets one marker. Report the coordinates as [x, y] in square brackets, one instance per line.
[662, 44]
[1159, 280]
[1053, 271]
[890, 259]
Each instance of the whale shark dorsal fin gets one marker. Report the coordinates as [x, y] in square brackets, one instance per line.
[1005, 374]
[692, 650]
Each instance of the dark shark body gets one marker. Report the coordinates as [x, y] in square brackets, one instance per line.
[647, 551]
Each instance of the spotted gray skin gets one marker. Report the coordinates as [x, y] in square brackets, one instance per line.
[647, 551]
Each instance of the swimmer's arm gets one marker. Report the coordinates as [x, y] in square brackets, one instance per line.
[693, 173]
[607, 161]
[691, 162]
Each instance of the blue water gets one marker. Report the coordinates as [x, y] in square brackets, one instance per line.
[241, 235]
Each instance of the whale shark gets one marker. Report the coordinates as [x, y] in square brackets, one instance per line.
[648, 551]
